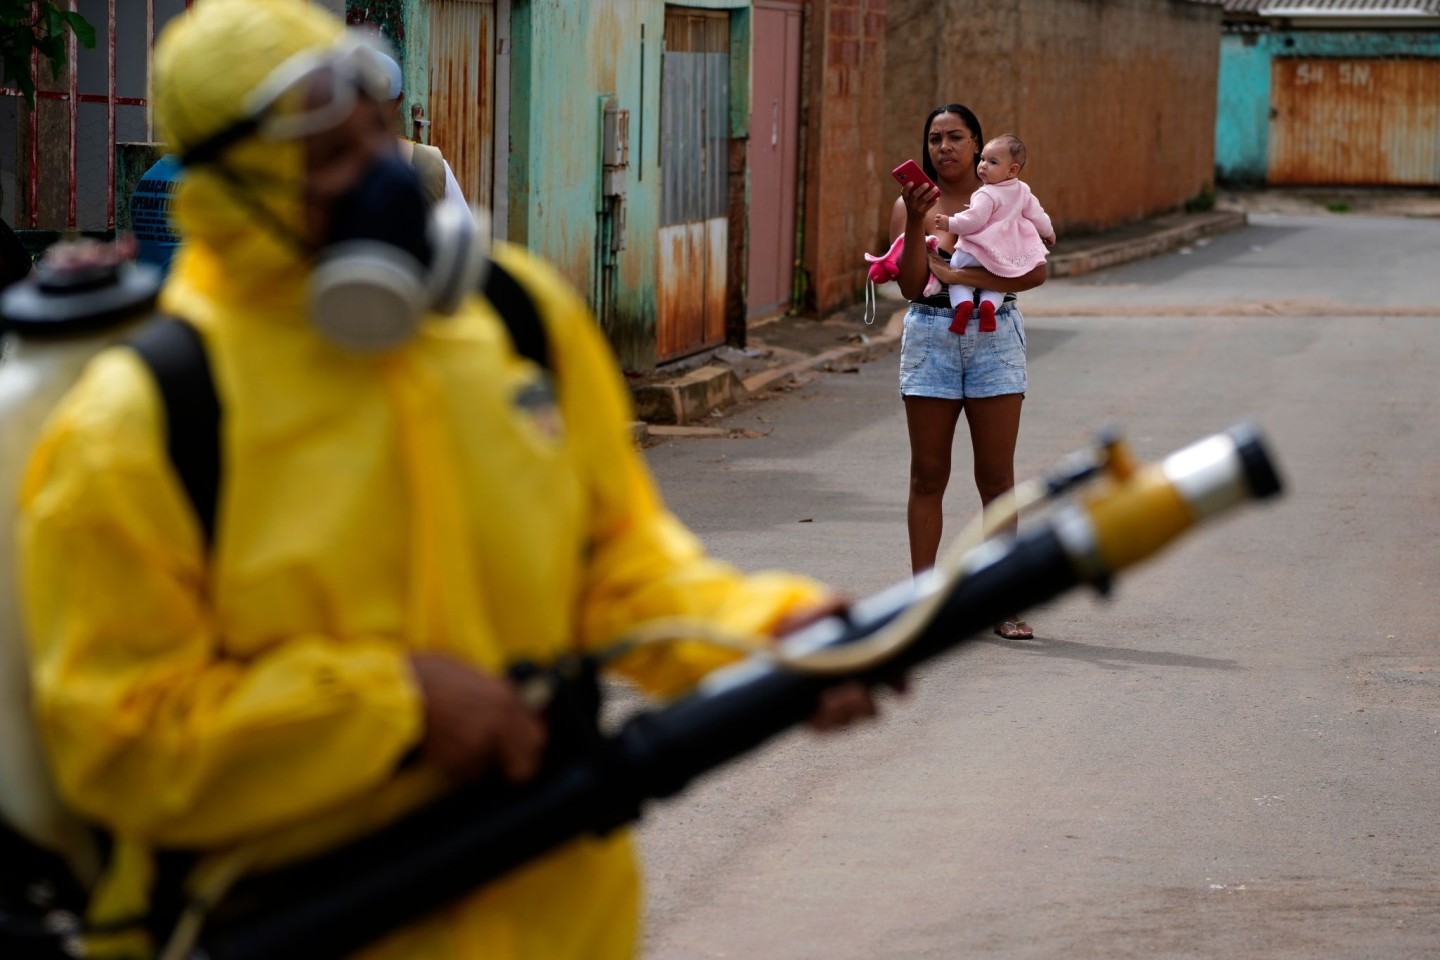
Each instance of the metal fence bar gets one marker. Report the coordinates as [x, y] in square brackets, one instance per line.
[33, 176]
[79, 97]
[72, 71]
[149, 68]
[109, 123]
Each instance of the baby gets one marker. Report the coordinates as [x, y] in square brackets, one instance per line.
[1005, 230]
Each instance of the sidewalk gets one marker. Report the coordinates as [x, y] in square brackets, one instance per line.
[787, 350]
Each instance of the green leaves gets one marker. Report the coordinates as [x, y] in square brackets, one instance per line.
[42, 26]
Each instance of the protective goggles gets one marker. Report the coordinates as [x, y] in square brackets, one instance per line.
[313, 91]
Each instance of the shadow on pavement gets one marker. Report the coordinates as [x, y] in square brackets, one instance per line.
[1110, 658]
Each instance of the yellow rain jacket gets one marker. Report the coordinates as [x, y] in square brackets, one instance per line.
[369, 507]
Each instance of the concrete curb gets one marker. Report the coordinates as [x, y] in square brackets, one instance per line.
[880, 343]
[689, 397]
[666, 408]
[1164, 240]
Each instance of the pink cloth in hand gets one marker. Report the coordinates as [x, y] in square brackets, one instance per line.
[886, 267]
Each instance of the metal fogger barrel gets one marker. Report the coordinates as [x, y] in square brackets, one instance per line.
[1123, 513]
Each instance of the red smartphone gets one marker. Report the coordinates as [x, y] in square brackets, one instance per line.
[910, 172]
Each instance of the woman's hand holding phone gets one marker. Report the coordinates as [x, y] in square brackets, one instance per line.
[910, 172]
[917, 190]
[919, 198]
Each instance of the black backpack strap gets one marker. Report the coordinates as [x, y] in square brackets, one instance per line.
[175, 354]
[518, 311]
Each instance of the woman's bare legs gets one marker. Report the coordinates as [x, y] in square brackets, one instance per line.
[931, 422]
[994, 428]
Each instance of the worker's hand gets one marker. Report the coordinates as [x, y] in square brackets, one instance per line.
[474, 722]
[844, 703]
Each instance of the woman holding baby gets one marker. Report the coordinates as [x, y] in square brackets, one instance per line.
[943, 371]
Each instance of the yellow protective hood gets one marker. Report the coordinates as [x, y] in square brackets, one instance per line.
[207, 63]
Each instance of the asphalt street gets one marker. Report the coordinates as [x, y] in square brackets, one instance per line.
[1238, 754]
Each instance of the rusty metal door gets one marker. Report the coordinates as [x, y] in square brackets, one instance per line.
[462, 92]
[772, 153]
[694, 151]
[1355, 122]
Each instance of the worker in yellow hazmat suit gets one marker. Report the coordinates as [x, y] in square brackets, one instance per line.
[394, 526]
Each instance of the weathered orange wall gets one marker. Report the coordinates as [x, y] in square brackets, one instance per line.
[1354, 121]
[843, 94]
[1115, 99]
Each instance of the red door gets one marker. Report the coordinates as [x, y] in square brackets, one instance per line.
[774, 140]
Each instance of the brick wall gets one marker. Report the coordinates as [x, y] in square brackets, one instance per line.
[1115, 99]
[844, 85]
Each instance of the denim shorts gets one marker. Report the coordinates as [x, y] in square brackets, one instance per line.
[953, 366]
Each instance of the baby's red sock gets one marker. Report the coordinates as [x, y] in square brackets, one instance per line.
[962, 317]
[987, 316]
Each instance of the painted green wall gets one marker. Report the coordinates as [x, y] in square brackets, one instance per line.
[406, 24]
[565, 58]
[1242, 120]
[414, 50]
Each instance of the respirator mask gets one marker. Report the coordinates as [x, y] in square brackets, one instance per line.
[388, 260]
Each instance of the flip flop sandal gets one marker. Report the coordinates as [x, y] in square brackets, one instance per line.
[1014, 630]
